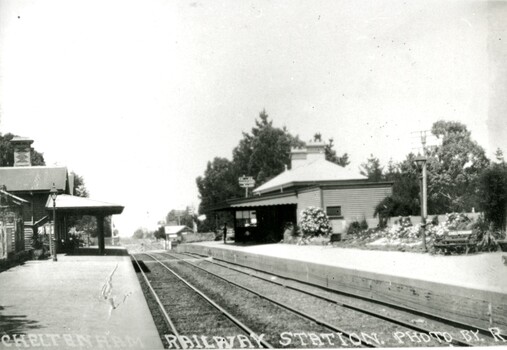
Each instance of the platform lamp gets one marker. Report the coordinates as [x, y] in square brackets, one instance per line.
[421, 161]
[52, 243]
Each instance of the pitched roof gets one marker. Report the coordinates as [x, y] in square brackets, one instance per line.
[33, 178]
[317, 170]
[176, 229]
[75, 203]
[14, 198]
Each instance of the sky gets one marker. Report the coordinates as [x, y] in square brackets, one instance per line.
[137, 96]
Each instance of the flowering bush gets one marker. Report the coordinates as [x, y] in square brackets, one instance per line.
[314, 222]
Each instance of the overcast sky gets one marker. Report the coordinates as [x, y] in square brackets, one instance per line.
[137, 96]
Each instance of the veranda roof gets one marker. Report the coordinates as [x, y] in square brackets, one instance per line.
[14, 198]
[318, 170]
[82, 205]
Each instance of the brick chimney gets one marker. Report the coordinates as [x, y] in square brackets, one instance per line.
[315, 150]
[22, 151]
[297, 157]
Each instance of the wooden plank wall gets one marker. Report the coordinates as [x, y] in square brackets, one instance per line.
[471, 306]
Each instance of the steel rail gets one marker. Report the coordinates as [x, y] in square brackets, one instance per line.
[160, 305]
[345, 305]
[240, 324]
[448, 321]
[283, 305]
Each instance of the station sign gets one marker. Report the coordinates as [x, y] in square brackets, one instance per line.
[246, 181]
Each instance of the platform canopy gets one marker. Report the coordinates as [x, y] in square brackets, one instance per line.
[73, 205]
[82, 205]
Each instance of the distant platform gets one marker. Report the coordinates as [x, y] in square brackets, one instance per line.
[470, 288]
[76, 302]
[94, 250]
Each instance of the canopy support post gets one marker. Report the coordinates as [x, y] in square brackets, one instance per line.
[100, 233]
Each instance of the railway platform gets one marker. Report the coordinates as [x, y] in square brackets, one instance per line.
[80, 301]
[471, 289]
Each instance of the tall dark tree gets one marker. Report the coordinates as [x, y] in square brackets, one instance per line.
[80, 189]
[264, 152]
[372, 169]
[493, 194]
[218, 184]
[160, 233]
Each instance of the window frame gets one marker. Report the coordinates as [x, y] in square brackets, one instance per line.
[334, 216]
[244, 218]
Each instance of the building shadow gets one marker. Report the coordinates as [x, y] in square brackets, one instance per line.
[6, 265]
[16, 324]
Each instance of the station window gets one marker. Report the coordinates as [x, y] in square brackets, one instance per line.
[246, 218]
[335, 212]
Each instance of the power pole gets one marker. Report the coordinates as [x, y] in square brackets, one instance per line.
[423, 186]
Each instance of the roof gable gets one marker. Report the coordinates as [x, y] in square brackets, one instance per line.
[317, 170]
[36, 178]
[176, 229]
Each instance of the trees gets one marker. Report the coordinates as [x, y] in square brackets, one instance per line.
[372, 169]
[138, 234]
[331, 152]
[264, 152]
[80, 189]
[454, 169]
[218, 184]
[184, 219]
[160, 233]
[405, 198]
[493, 194]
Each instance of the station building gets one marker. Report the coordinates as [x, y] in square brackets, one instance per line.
[176, 231]
[345, 196]
[28, 188]
[11, 224]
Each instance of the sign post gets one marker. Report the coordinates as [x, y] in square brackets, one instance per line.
[246, 182]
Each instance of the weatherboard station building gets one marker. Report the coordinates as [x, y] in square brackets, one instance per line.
[344, 195]
[28, 188]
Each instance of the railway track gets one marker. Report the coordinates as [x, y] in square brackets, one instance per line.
[412, 334]
[354, 301]
[193, 313]
[267, 318]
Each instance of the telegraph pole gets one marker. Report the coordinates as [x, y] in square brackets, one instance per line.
[423, 185]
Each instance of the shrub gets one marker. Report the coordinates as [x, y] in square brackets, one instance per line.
[37, 241]
[363, 225]
[314, 222]
[354, 228]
